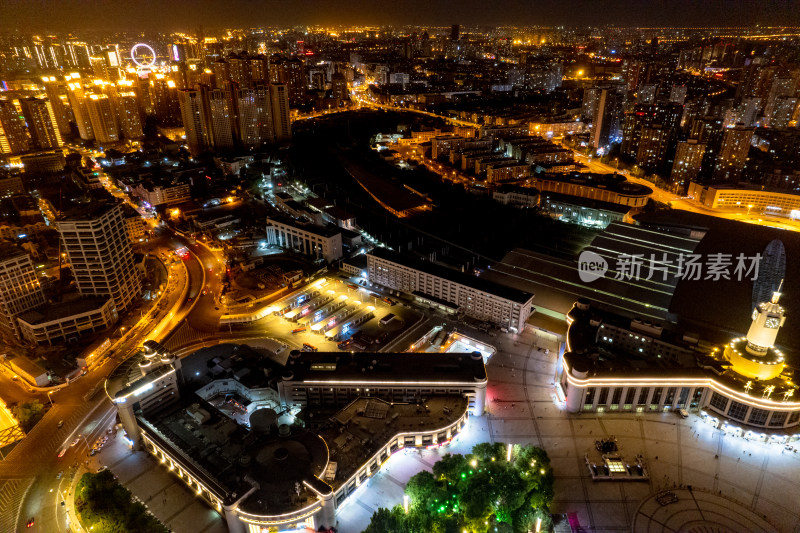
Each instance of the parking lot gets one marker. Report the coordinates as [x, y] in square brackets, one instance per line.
[337, 314]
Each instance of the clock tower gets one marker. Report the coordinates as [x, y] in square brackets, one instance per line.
[768, 317]
[755, 355]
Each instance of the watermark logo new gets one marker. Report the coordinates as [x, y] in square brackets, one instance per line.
[591, 266]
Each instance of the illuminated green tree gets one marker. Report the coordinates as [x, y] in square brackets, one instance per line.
[480, 492]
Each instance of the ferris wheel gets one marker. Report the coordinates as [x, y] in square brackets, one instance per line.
[143, 55]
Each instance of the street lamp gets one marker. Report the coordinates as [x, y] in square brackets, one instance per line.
[50, 398]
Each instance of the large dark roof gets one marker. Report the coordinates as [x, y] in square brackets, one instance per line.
[727, 304]
[385, 367]
[558, 280]
[481, 284]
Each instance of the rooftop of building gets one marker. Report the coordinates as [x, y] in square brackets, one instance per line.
[321, 231]
[310, 367]
[9, 251]
[358, 431]
[386, 192]
[230, 456]
[338, 213]
[475, 282]
[87, 210]
[734, 299]
[691, 360]
[319, 203]
[612, 182]
[584, 202]
[557, 284]
[751, 187]
[359, 261]
[72, 305]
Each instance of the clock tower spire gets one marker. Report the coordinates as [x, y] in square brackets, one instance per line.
[768, 317]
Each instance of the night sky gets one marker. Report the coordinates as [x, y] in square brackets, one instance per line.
[59, 15]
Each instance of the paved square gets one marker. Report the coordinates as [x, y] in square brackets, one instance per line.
[730, 477]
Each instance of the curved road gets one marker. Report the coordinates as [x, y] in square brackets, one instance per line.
[30, 485]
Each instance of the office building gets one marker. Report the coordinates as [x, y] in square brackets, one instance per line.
[94, 237]
[41, 120]
[68, 321]
[13, 133]
[606, 116]
[339, 86]
[732, 154]
[308, 239]
[747, 199]
[20, 290]
[449, 290]
[101, 115]
[243, 464]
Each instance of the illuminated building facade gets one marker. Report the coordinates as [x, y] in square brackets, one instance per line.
[244, 456]
[282, 125]
[308, 239]
[612, 188]
[13, 135]
[612, 366]
[291, 73]
[101, 115]
[129, 115]
[42, 125]
[738, 198]
[77, 101]
[194, 115]
[255, 116]
[96, 242]
[222, 119]
[450, 290]
[688, 161]
[53, 88]
[732, 154]
[20, 290]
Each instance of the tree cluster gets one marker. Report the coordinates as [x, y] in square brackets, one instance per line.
[28, 414]
[105, 506]
[478, 493]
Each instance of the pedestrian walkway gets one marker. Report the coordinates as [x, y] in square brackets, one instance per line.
[755, 477]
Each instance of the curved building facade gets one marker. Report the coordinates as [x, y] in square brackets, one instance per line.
[637, 367]
[274, 445]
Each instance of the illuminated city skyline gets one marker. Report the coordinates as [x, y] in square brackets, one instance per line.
[74, 15]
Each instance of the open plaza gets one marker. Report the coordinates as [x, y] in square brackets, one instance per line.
[703, 474]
